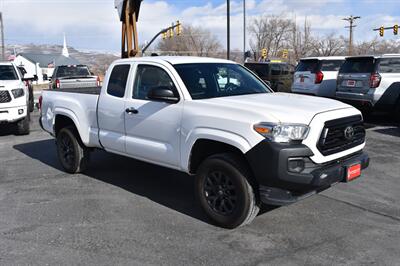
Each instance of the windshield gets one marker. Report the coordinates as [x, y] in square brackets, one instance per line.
[72, 71]
[8, 73]
[211, 80]
[358, 65]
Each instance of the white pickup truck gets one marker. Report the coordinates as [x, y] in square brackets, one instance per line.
[214, 119]
[14, 99]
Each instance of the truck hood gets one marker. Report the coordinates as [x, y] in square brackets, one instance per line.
[284, 107]
[10, 84]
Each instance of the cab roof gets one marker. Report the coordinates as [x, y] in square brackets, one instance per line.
[324, 58]
[375, 56]
[177, 60]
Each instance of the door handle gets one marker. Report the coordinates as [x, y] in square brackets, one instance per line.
[131, 111]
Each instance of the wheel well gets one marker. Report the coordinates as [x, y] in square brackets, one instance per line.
[61, 122]
[204, 148]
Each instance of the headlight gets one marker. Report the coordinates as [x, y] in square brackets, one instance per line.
[18, 93]
[282, 132]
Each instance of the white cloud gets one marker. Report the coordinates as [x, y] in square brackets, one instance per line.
[95, 23]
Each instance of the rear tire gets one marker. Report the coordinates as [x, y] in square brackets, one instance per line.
[31, 105]
[23, 126]
[73, 155]
[224, 191]
[31, 99]
[396, 113]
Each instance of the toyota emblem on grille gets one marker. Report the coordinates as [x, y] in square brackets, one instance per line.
[349, 133]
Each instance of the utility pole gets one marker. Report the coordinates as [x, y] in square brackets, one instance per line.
[351, 20]
[3, 48]
[228, 28]
[244, 30]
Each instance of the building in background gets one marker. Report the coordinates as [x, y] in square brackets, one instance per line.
[42, 65]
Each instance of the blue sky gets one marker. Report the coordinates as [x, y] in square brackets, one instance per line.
[94, 25]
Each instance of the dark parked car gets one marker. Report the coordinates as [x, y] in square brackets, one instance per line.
[278, 75]
[372, 82]
[73, 76]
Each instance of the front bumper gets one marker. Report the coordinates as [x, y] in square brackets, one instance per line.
[12, 114]
[279, 186]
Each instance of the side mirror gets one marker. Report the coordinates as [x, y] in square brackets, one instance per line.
[162, 94]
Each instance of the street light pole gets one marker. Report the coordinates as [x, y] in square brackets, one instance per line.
[228, 26]
[244, 30]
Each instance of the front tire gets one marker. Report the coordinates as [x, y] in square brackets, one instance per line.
[224, 191]
[23, 126]
[73, 155]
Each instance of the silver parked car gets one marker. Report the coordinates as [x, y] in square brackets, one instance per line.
[317, 76]
[371, 81]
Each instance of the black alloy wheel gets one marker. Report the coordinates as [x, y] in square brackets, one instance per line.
[220, 193]
[67, 150]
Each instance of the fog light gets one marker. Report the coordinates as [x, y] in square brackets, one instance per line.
[20, 111]
[296, 165]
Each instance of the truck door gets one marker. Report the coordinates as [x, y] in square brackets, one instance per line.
[111, 110]
[153, 127]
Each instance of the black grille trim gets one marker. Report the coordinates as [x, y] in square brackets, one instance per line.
[332, 139]
[5, 97]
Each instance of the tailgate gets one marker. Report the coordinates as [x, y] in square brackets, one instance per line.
[355, 83]
[78, 83]
[303, 79]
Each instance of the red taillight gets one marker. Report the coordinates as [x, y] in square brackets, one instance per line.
[98, 81]
[57, 83]
[319, 77]
[40, 102]
[375, 80]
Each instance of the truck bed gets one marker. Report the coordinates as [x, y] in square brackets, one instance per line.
[90, 90]
[81, 106]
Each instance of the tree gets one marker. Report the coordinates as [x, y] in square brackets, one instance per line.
[328, 45]
[300, 41]
[195, 41]
[271, 33]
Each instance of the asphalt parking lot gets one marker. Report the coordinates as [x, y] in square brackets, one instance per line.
[127, 212]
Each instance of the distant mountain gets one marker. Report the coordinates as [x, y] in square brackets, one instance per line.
[97, 61]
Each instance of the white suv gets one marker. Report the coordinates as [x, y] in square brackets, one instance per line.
[317, 76]
[14, 99]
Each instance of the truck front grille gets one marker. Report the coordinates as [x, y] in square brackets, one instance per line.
[5, 97]
[341, 134]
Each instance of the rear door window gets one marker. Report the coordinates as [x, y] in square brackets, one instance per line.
[358, 65]
[389, 65]
[275, 70]
[311, 65]
[285, 70]
[118, 79]
[331, 65]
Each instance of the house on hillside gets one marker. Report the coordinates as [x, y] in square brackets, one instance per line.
[42, 65]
